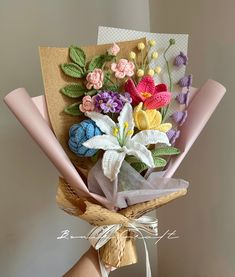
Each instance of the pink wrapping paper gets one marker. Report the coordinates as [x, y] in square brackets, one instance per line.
[32, 114]
[201, 107]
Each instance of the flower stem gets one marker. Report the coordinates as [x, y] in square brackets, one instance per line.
[136, 65]
[112, 82]
[146, 61]
[91, 92]
[164, 110]
[168, 66]
[142, 60]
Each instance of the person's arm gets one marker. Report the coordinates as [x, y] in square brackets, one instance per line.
[87, 266]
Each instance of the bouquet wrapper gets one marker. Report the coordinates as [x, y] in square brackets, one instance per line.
[73, 195]
[49, 128]
[120, 250]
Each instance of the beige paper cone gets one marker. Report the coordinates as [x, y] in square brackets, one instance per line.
[120, 250]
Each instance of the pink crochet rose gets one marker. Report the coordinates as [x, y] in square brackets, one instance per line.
[123, 68]
[114, 49]
[87, 105]
[95, 79]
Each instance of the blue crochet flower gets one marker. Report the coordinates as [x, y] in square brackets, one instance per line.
[81, 132]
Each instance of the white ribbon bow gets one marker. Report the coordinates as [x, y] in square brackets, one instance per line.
[100, 235]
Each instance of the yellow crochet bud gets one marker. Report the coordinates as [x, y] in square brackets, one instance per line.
[140, 73]
[152, 42]
[140, 46]
[115, 131]
[158, 69]
[149, 119]
[154, 55]
[132, 55]
[151, 72]
[126, 124]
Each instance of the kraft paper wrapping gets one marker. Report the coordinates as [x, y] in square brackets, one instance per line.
[54, 79]
[121, 249]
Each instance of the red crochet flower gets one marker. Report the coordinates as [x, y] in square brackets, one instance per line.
[153, 97]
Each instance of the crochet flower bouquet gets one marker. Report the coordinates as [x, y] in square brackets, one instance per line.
[118, 135]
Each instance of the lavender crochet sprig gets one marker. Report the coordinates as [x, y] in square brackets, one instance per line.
[186, 81]
[183, 98]
[180, 60]
[179, 117]
[173, 135]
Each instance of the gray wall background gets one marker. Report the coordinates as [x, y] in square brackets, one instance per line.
[205, 218]
[30, 220]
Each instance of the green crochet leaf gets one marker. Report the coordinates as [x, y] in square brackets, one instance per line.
[131, 159]
[91, 92]
[107, 76]
[74, 90]
[77, 55]
[139, 166]
[108, 83]
[73, 109]
[112, 87]
[165, 151]
[99, 61]
[72, 70]
[159, 162]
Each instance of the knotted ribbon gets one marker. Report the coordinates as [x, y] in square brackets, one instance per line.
[100, 235]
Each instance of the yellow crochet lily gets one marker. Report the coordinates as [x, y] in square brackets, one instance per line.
[149, 119]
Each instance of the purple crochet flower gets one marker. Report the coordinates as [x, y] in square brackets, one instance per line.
[111, 102]
[110, 106]
[180, 117]
[186, 81]
[183, 98]
[181, 59]
[173, 135]
[125, 97]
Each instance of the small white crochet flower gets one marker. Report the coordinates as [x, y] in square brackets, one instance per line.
[117, 141]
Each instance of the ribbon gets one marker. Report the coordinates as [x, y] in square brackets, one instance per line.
[100, 235]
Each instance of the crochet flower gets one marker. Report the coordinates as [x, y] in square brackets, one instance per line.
[88, 104]
[125, 97]
[181, 59]
[118, 141]
[173, 135]
[186, 81]
[95, 79]
[113, 50]
[149, 119]
[81, 132]
[153, 97]
[111, 102]
[179, 117]
[123, 68]
[183, 98]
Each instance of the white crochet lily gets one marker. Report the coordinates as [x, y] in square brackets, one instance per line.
[118, 141]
